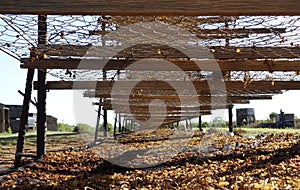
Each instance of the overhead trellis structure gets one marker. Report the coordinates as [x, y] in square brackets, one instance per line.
[216, 55]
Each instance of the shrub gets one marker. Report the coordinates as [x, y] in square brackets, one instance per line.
[65, 127]
[84, 128]
[205, 124]
[109, 127]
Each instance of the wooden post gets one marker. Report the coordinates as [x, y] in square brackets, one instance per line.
[123, 125]
[41, 94]
[104, 112]
[115, 124]
[98, 121]
[200, 123]
[105, 122]
[24, 117]
[230, 118]
[120, 124]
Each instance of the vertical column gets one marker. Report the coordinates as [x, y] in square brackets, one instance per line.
[200, 123]
[104, 112]
[98, 121]
[105, 122]
[115, 124]
[41, 94]
[24, 116]
[120, 124]
[230, 118]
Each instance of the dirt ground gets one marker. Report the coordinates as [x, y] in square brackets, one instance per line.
[210, 160]
[55, 142]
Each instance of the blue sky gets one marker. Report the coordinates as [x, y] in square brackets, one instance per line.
[60, 103]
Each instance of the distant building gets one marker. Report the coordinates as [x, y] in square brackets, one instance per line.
[4, 118]
[51, 123]
[285, 120]
[15, 116]
[10, 116]
[245, 116]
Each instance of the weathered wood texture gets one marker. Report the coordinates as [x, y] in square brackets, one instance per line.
[203, 92]
[185, 65]
[158, 85]
[174, 98]
[218, 33]
[154, 7]
[140, 51]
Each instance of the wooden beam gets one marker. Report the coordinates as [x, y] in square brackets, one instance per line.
[108, 97]
[148, 98]
[168, 115]
[185, 65]
[108, 106]
[154, 7]
[218, 33]
[229, 31]
[162, 119]
[207, 92]
[158, 85]
[141, 51]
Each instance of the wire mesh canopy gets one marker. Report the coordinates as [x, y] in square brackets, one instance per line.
[227, 59]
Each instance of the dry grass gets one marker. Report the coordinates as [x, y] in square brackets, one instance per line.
[55, 141]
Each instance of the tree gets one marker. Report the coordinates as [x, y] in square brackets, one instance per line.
[109, 127]
[272, 116]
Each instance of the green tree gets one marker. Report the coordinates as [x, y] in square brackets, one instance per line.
[62, 127]
[272, 116]
[84, 128]
[109, 127]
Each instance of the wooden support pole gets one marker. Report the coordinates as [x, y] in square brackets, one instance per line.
[41, 94]
[200, 124]
[104, 112]
[31, 101]
[41, 115]
[230, 119]
[186, 124]
[24, 117]
[120, 124]
[98, 121]
[123, 126]
[105, 122]
[115, 125]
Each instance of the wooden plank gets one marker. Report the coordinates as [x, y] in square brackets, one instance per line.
[239, 92]
[168, 115]
[158, 85]
[228, 31]
[154, 7]
[217, 33]
[141, 51]
[185, 65]
[147, 98]
[172, 108]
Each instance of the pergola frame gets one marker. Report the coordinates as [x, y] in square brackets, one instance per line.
[162, 7]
